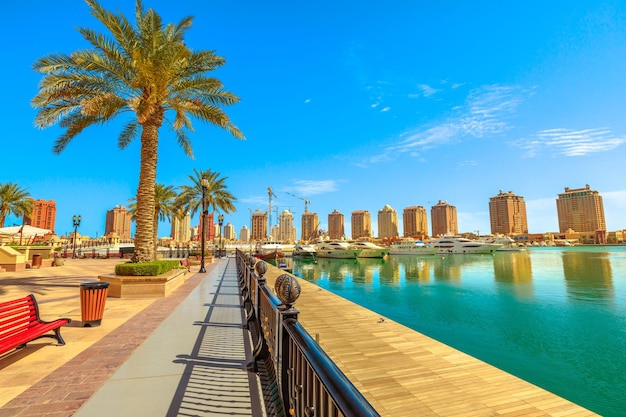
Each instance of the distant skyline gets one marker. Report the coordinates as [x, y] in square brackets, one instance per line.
[353, 108]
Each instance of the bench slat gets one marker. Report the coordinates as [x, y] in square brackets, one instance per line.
[20, 323]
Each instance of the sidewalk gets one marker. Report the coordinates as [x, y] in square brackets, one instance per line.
[49, 380]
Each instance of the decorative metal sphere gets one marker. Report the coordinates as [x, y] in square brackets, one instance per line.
[260, 268]
[287, 289]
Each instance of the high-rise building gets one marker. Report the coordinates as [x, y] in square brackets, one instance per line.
[387, 223]
[211, 231]
[244, 234]
[229, 231]
[415, 222]
[286, 229]
[43, 215]
[181, 227]
[361, 224]
[507, 213]
[118, 221]
[259, 226]
[335, 226]
[310, 226]
[580, 209]
[443, 218]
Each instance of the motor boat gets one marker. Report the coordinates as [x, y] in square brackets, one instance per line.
[340, 250]
[507, 243]
[461, 245]
[369, 249]
[304, 251]
[411, 247]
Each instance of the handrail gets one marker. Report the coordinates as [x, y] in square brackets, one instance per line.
[304, 379]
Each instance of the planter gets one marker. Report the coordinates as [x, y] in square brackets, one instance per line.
[59, 261]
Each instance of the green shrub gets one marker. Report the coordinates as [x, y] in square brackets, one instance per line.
[145, 269]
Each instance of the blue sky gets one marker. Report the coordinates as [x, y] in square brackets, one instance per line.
[354, 106]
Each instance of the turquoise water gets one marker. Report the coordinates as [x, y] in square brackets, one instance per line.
[554, 317]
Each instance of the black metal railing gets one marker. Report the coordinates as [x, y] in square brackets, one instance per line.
[297, 376]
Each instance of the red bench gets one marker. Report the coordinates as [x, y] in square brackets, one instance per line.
[20, 324]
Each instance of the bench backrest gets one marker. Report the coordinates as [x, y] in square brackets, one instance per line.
[17, 315]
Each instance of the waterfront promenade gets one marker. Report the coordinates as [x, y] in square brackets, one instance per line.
[401, 372]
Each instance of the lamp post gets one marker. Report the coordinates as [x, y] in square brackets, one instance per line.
[220, 221]
[205, 184]
[75, 222]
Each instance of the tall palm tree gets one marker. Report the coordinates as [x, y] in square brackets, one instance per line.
[217, 196]
[164, 207]
[145, 70]
[14, 200]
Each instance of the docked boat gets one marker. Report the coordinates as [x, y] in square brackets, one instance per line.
[273, 255]
[369, 249]
[461, 245]
[340, 250]
[507, 243]
[411, 247]
[304, 251]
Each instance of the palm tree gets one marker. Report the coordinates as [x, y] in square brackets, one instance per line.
[164, 208]
[217, 197]
[146, 71]
[14, 200]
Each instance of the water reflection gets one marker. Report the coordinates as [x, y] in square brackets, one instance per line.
[588, 275]
[513, 310]
[514, 269]
[413, 268]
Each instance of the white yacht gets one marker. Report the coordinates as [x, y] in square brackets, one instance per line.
[507, 243]
[411, 247]
[454, 245]
[369, 249]
[340, 250]
[304, 251]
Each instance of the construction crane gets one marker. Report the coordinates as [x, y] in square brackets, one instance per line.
[271, 194]
[306, 202]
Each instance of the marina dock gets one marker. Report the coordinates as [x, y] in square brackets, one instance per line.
[401, 372]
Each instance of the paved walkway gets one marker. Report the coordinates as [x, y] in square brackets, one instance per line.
[192, 364]
[184, 354]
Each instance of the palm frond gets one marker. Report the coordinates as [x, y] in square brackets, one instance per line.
[183, 142]
[128, 134]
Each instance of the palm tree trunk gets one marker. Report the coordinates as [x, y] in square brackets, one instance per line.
[156, 230]
[144, 232]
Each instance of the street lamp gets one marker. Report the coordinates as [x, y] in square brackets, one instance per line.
[75, 222]
[220, 221]
[205, 184]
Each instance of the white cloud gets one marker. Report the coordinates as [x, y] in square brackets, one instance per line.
[614, 198]
[385, 109]
[308, 100]
[427, 90]
[488, 110]
[306, 188]
[569, 142]
[254, 200]
[467, 164]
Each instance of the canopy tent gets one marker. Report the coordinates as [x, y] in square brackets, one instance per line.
[25, 232]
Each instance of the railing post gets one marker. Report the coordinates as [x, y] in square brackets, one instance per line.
[285, 372]
[287, 289]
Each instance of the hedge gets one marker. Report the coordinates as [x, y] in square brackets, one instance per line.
[146, 269]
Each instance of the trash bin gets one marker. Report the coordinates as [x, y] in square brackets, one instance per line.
[93, 296]
[36, 261]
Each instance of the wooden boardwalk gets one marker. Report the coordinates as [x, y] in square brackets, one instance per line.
[404, 373]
